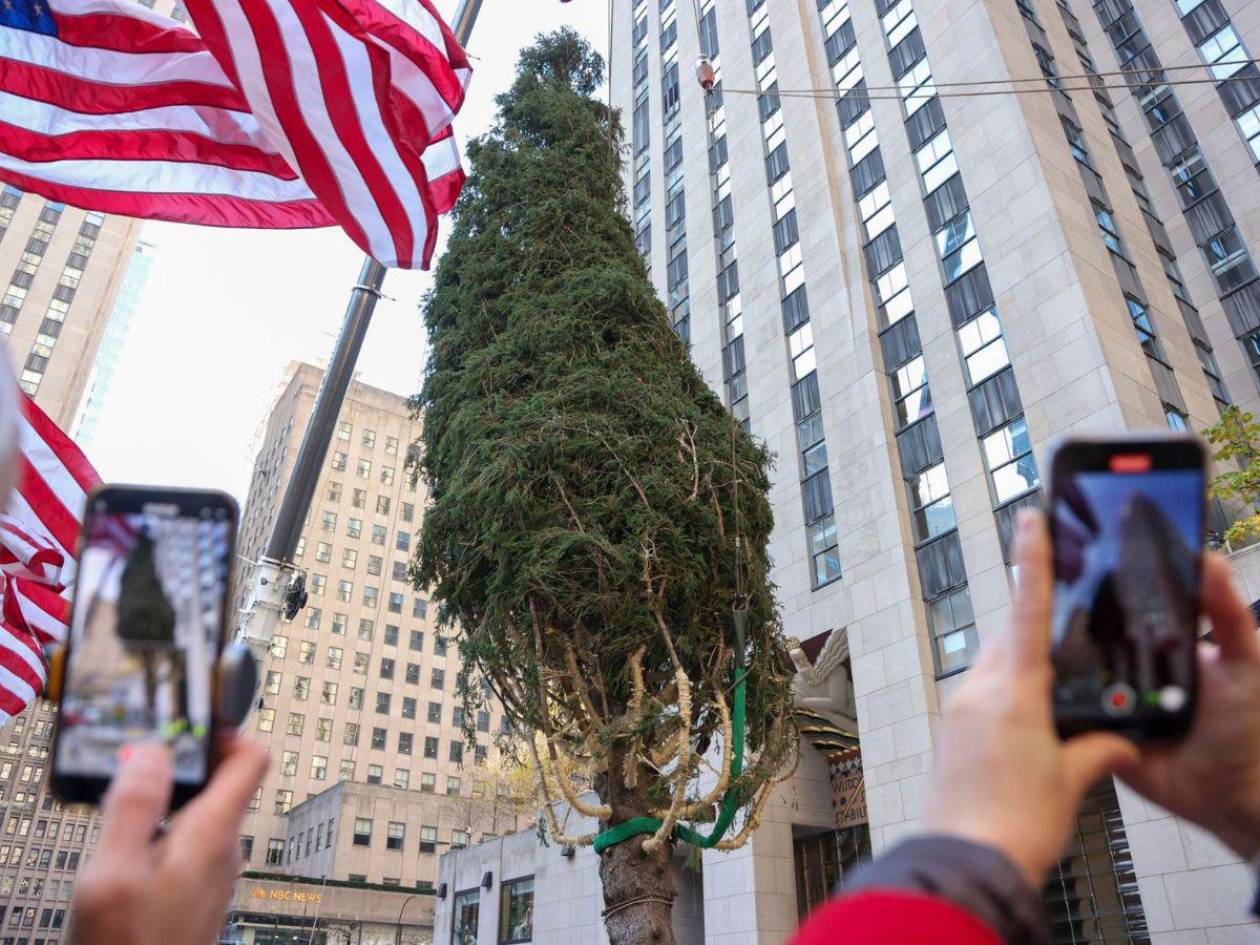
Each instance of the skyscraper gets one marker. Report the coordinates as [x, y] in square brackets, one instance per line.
[912, 242]
[117, 331]
[361, 686]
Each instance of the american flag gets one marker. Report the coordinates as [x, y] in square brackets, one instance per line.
[38, 540]
[273, 113]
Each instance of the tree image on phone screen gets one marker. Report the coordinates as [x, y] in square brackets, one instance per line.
[1126, 607]
[144, 636]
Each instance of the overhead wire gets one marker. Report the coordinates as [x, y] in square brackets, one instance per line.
[1047, 85]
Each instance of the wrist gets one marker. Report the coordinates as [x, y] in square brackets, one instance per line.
[1032, 866]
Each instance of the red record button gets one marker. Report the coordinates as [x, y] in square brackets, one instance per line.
[1118, 700]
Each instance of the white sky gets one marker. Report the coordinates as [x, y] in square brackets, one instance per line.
[226, 310]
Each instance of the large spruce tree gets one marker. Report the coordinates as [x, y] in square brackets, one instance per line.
[598, 516]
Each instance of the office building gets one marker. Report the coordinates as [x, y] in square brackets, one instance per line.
[909, 279]
[361, 686]
[114, 341]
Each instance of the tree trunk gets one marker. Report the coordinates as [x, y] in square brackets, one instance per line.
[638, 887]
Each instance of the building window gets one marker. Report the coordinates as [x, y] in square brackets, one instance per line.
[323, 730]
[1249, 124]
[359, 499]
[912, 398]
[288, 764]
[362, 832]
[313, 613]
[275, 852]
[958, 248]
[345, 772]
[1224, 52]
[1228, 258]
[430, 747]
[1012, 467]
[345, 591]
[334, 492]
[516, 911]
[364, 469]
[457, 752]
[1145, 330]
[297, 721]
[824, 550]
[356, 697]
[408, 707]
[382, 703]
[279, 646]
[953, 630]
[395, 603]
[387, 475]
[369, 439]
[284, 801]
[351, 734]
[379, 736]
[1176, 419]
[349, 558]
[402, 778]
[932, 506]
[413, 674]
[466, 913]
[306, 652]
[394, 835]
[428, 844]
[302, 688]
[437, 678]
[339, 460]
[378, 534]
[375, 774]
[415, 641]
[983, 347]
[319, 767]
[328, 693]
[1107, 226]
[334, 657]
[459, 839]
[387, 668]
[266, 720]
[339, 624]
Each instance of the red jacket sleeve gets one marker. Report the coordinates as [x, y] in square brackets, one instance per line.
[890, 917]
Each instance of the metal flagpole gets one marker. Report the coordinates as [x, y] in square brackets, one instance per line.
[272, 590]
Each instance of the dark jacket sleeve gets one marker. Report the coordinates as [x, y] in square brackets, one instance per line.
[970, 879]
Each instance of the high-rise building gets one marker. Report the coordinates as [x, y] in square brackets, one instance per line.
[361, 686]
[114, 341]
[912, 242]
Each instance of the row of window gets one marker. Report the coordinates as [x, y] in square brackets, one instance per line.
[25, 918]
[318, 584]
[516, 913]
[329, 690]
[677, 278]
[1134, 294]
[1137, 184]
[1211, 223]
[359, 500]
[821, 535]
[69, 831]
[367, 627]
[641, 138]
[296, 725]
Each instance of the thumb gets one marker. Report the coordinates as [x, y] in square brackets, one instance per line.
[1087, 759]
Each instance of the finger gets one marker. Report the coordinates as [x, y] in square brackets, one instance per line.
[1087, 759]
[221, 805]
[1034, 591]
[1233, 625]
[137, 801]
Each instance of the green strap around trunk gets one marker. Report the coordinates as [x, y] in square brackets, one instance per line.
[730, 800]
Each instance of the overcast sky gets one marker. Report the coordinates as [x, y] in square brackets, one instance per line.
[226, 310]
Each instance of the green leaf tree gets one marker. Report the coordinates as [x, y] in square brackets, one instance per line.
[597, 514]
[1237, 483]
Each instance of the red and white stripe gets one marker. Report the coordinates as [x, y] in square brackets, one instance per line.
[127, 112]
[38, 538]
[280, 114]
[352, 94]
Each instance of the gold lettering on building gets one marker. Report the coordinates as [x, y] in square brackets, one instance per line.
[285, 895]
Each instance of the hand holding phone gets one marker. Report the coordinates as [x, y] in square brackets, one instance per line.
[146, 631]
[1126, 518]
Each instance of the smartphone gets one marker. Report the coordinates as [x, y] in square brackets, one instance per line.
[146, 630]
[1127, 522]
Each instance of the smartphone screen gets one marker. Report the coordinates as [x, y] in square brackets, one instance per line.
[146, 632]
[1127, 522]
